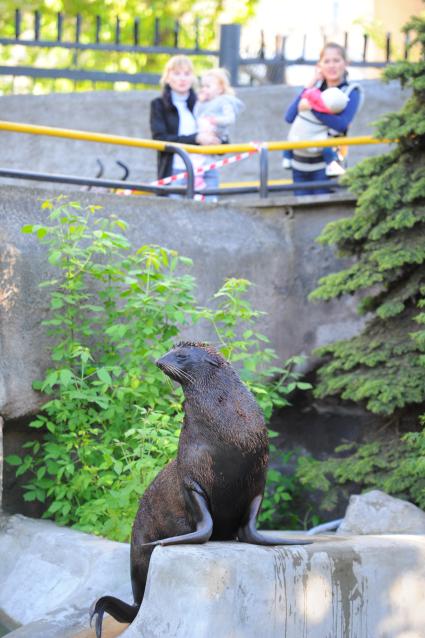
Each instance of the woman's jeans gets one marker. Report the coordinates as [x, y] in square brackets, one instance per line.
[211, 180]
[310, 176]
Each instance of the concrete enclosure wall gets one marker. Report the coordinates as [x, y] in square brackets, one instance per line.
[271, 244]
[128, 114]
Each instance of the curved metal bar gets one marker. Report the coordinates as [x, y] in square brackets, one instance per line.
[190, 188]
[125, 169]
[264, 172]
[100, 168]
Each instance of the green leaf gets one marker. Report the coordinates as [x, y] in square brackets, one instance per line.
[104, 375]
[65, 377]
[13, 459]
[55, 257]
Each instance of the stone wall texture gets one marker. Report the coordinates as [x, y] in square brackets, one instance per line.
[272, 244]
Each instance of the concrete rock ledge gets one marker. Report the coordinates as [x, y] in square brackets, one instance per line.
[363, 587]
[49, 576]
[339, 587]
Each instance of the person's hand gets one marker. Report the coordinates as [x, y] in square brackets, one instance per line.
[207, 138]
[304, 105]
[201, 95]
[205, 125]
[317, 77]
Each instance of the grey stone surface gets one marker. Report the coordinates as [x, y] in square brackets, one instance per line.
[1, 463]
[378, 513]
[272, 244]
[50, 575]
[362, 586]
[127, 113]
[365, 587]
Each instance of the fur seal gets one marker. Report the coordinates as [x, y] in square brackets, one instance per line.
[214, 488]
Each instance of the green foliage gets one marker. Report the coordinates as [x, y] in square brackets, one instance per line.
[185, 12]
[384, 367]
[284, 503]
[394, 465]
[249, 350]
[112, 418]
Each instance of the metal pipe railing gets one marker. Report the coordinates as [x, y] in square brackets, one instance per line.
[264, 171]
[57, 178]
[217, 149]
[183, 150]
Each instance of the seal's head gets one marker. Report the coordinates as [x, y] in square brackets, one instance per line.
[189, 362]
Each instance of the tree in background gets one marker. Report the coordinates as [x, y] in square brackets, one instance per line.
[181, 14]
[384, 367]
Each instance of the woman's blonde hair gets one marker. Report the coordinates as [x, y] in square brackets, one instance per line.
[222, 77]
[334, 45]
[176, 62]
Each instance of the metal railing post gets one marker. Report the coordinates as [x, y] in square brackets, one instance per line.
[190, 188]
[230, 38]
[264, 172]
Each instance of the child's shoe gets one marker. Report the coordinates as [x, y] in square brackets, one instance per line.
[287, 162]
[334, 169]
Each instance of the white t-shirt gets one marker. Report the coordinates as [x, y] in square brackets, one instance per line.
[187, 123]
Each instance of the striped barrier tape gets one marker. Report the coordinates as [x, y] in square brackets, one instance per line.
[200, 170]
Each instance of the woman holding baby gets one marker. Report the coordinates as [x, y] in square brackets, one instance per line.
[324, 108]
[179, 115]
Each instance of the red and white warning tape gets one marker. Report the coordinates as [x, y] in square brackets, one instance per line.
[200, 170]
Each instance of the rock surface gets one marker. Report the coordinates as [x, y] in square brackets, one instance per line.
[378, 513]
[367, 587]
[50, 575]
[362, 586]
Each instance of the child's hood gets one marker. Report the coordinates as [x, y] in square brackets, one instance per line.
[237, 104]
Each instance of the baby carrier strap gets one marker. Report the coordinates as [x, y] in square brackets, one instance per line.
[349, 88]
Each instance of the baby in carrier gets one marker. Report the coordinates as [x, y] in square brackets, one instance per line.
[307, 126]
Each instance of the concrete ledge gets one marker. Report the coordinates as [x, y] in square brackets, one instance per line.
[339, 587]
[49, 576]
[363, 587]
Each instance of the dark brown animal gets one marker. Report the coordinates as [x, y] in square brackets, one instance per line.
[213, 489]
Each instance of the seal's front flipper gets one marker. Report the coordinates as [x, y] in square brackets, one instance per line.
[117, 608]
[204, 524]
[248, 533]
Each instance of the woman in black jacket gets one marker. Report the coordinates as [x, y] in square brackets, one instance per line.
[171, 116]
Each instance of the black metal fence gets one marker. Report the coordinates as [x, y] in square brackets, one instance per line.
[160, 41]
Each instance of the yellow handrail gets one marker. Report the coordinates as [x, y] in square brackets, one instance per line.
[331, 141]
[104, 138]
[220, 149]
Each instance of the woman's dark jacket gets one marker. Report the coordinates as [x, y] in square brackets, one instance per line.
[164, 121]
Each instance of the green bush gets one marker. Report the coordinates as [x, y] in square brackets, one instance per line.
[383, 368]
[112, 418]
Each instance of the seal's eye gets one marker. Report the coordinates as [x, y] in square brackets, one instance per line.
[181, 357]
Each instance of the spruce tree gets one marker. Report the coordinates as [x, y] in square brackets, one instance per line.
[383, 368]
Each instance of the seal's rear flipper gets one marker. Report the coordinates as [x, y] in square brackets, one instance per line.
[118, 609]
[249, 534]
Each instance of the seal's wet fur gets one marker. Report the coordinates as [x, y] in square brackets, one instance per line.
[213, 489]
